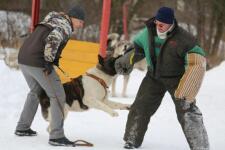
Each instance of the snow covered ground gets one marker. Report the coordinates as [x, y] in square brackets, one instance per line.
[106, 132]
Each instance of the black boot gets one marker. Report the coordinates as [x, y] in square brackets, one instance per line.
[61, 142]
[28, 132]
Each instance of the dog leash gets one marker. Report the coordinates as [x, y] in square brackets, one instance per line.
[83, 143]
[64, 73]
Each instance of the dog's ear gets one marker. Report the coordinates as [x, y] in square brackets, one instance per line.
[100, 60]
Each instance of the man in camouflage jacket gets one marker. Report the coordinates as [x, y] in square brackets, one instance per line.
[38, 54]
[176, 64]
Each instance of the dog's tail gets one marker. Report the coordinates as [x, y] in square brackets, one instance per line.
[45, 104]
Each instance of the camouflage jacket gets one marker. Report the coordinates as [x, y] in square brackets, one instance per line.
[47, 41]
[58, 37]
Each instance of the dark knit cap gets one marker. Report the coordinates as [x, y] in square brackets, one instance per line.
[165, 15]
[77, 12]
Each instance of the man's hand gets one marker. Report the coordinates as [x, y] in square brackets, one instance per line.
[48, 67]
[123, 67]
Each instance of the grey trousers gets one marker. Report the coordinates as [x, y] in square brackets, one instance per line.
[148, 99]
[37, 80]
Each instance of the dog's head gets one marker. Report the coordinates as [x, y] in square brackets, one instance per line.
[116, 46]
[115, 49]
[121, 47]
[112, 39]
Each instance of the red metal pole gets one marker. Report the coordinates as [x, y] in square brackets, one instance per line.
[35, 14]
[104, 26]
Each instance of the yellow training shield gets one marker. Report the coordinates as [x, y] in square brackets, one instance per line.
[77, 57]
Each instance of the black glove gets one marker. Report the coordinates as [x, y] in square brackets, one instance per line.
[123, 64]
[123, 67]
[48, 67]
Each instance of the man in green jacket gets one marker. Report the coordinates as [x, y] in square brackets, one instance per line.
[176, 64]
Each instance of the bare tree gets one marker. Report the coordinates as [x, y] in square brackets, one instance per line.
[210, 27]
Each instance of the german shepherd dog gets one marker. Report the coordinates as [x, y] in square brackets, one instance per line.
[115, 47]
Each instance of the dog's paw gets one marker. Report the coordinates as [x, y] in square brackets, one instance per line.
[84, 107]
[114, 114]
